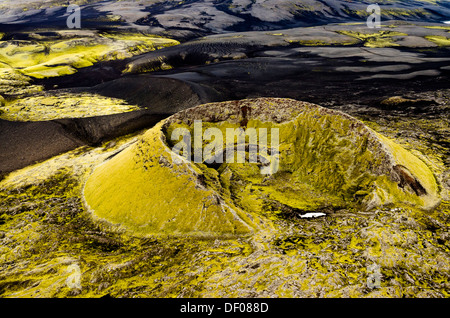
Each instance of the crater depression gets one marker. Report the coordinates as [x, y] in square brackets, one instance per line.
[327, 160]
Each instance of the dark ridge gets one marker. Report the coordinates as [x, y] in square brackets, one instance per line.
[25, 143]
[87, 76]
[158, 94]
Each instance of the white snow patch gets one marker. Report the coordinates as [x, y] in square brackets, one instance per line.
[312, 215]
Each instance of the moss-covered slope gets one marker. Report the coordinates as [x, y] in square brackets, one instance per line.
[49, 106]
[67, 51]
[327, 160]
[142, 189]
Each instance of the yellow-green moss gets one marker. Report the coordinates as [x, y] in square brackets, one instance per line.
[62, 57]
[327, 161]
[421, 171]
[13, 83]
[438, 27]
[65, 105]
[327, 257]
[439, 40]
[378, 39]
[148, 191]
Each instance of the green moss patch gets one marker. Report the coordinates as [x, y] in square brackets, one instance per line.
[50, 58]
[439, 40]
[63, 105]
[378, 39]
[160, 205]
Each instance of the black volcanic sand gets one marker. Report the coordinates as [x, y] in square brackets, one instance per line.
[317, 79]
